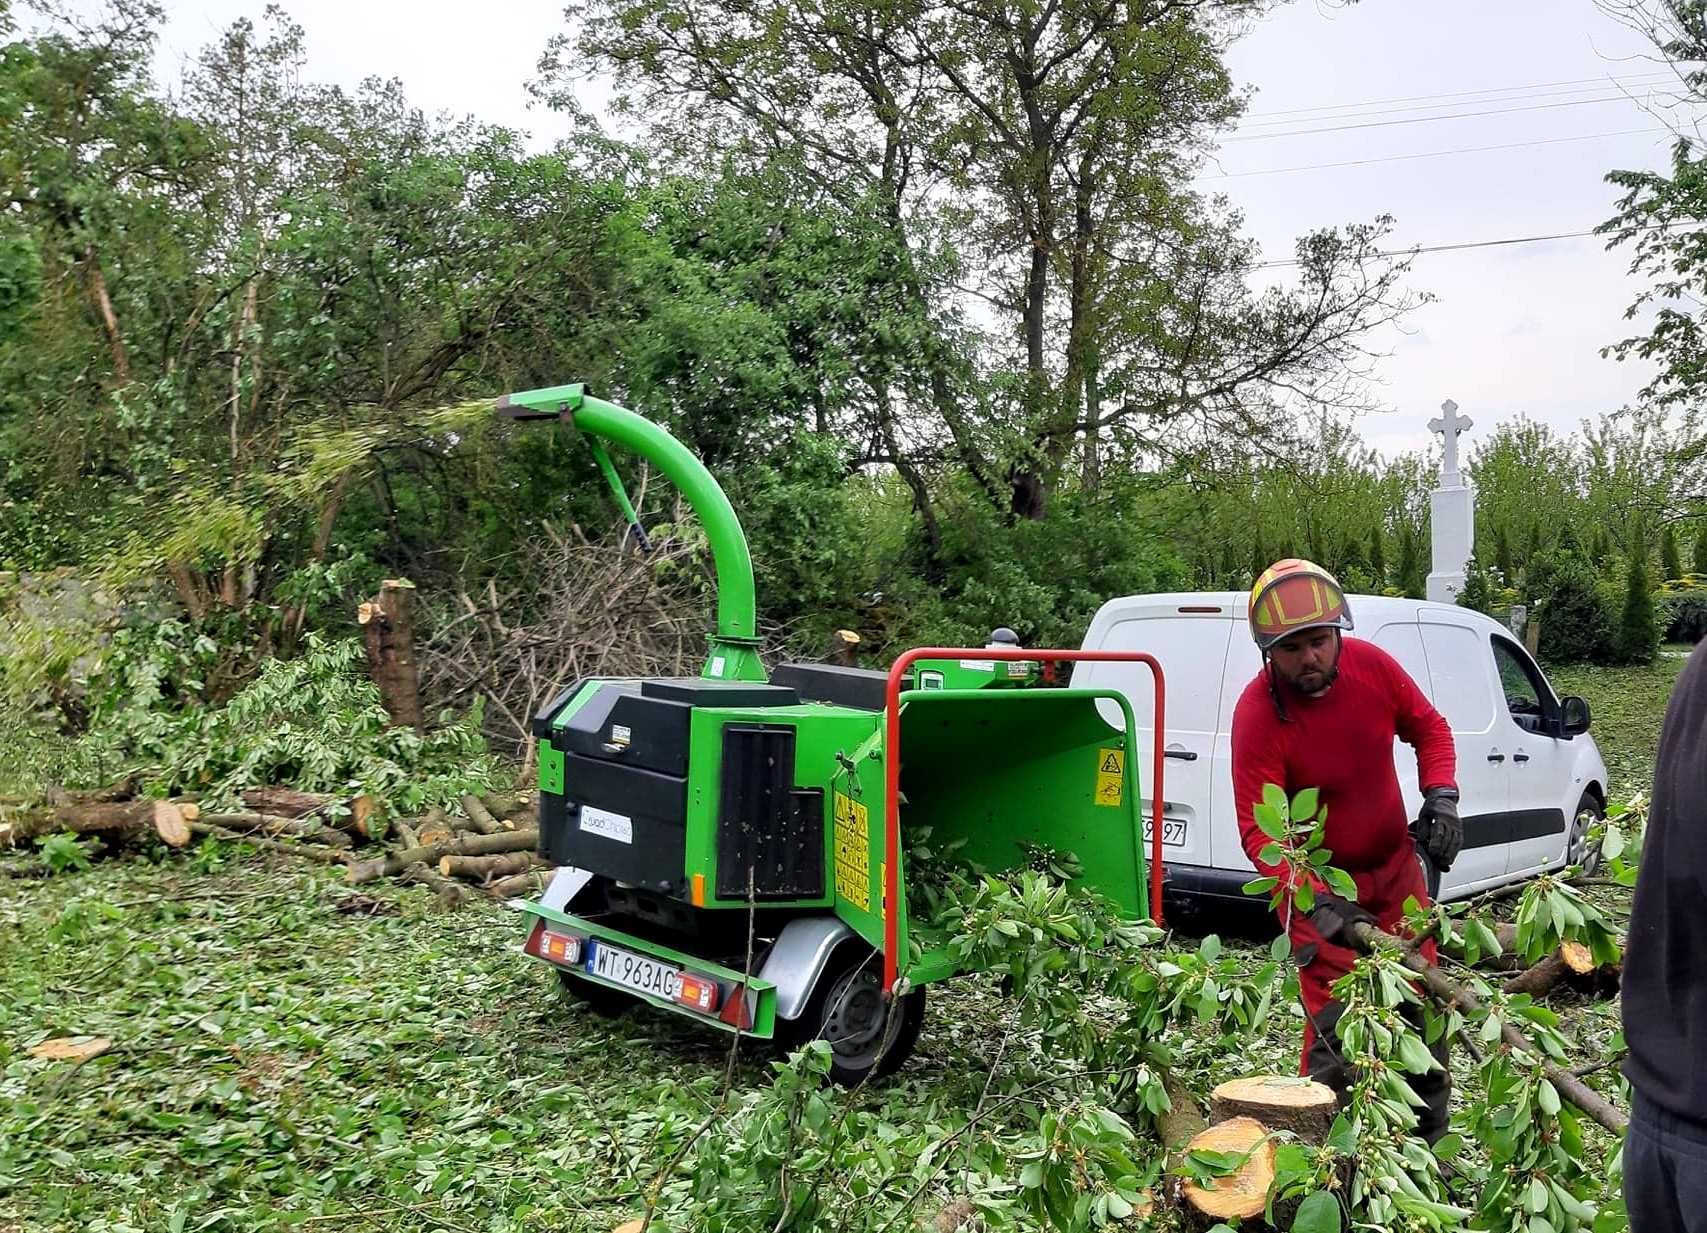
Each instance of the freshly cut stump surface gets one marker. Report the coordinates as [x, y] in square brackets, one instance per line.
[1244, 1192]
[1280, 1102]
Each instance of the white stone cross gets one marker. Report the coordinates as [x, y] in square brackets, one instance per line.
[1449, 426]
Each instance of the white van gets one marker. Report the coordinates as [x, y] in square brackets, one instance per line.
[1531, 780]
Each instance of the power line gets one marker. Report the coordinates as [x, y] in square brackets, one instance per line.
[1437, 106]
[1462, 115]
[1449, 248]
[1400, 158]
[1417, 98]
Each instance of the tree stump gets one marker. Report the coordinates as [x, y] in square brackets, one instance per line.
[1244, 1192]
[1280, 1102]
[389, 635]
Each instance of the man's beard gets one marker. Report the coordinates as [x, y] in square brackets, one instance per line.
[1312, 683]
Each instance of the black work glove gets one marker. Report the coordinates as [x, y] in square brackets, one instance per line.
[1439, 830]
[1333, 915]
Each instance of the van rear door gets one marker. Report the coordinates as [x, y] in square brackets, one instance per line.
[1461, 669]
[1190, 642]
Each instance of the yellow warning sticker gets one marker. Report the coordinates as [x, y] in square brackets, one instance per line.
[853, 851]
[1111, 781]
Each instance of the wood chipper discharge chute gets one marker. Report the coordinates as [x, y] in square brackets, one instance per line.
[731, 846]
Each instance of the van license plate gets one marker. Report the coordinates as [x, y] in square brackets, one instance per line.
[1173, 832]
[633, 971]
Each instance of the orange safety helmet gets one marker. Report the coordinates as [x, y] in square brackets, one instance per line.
[1294, 595]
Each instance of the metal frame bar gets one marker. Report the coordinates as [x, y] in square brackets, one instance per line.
[892, 772]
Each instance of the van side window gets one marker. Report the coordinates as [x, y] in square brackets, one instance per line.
[1458, 667]
[1520, 683]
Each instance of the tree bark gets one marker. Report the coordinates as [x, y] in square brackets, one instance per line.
[103, 302]
[308, 851]
[480, 818]
[81, 818]
[530, 883]
[486, 868]
[1183, 1120]
[389, 633]
[451, 894]
[293, 803]
[466, 845]
[268, 824]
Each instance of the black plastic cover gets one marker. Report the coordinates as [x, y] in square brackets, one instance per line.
[862, 689]
[620, 724]
[647, 847]
[698, 691]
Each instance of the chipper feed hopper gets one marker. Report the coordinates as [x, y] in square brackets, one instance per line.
[730, 846]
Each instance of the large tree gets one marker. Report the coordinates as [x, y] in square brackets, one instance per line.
[1031, 165]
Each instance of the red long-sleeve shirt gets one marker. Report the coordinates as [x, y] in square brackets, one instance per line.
[1341, 742]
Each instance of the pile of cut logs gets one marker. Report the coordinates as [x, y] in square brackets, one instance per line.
[487, 846]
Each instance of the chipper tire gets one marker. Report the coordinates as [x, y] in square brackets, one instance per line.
[602, 1000]
[847, 1009]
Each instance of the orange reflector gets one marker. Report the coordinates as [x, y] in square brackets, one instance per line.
[559, 947]
[697, 993]
[699, 890]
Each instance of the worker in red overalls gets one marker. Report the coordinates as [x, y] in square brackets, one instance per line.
[1322, 714]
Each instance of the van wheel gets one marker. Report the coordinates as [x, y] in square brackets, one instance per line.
[602, 1000]
[1578, 850]
[848, 1011]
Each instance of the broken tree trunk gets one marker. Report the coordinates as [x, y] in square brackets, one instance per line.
[462, 845]
[292, 803]
[89, 818]
[480, 818]
[1451, 994]
[487, 868]
[1244, 1192]
[389, 635]
[269, 824]
[1280, 1102]
[1572, 964]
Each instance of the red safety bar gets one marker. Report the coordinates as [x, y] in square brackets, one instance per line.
[892, 792]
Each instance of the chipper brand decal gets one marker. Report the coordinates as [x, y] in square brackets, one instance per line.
[853, 851]
[1111, 763]
[617, 826]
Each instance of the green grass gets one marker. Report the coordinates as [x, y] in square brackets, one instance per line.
[279, 1064]
[1627, 707]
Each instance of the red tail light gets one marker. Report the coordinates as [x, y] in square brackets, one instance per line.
[697, 993]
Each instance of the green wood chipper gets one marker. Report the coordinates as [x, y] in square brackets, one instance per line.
[729, 846]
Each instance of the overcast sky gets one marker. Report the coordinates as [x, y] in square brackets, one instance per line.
[1513, 330]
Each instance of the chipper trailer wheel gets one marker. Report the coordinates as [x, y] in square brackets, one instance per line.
[847, 1010]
